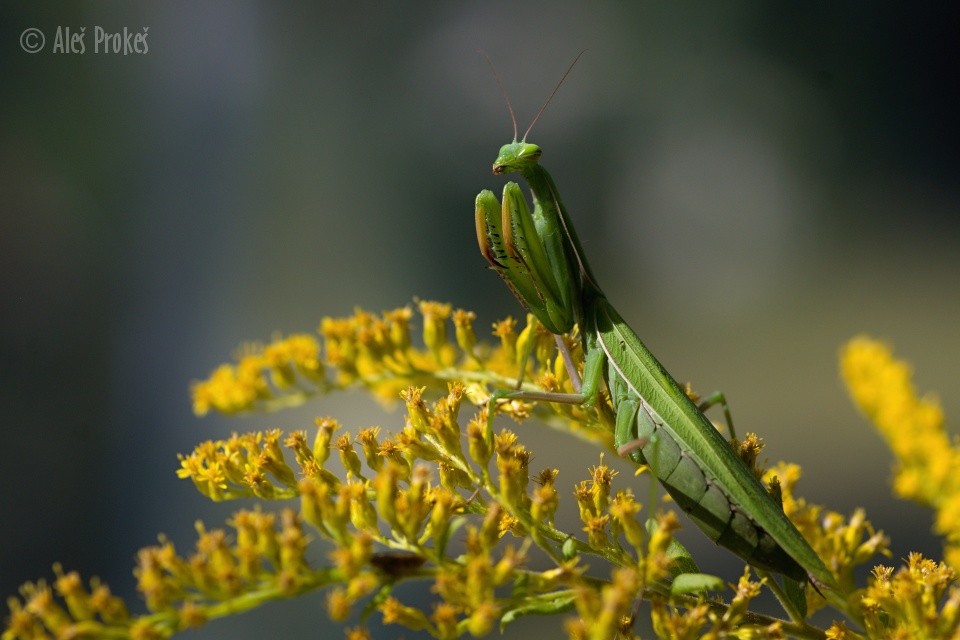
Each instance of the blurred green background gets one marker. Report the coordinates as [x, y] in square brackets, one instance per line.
[755, 183]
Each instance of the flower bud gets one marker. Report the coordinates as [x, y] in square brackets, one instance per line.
[321, 444]
[463, 325]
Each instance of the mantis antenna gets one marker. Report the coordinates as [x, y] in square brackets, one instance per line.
[506, 97]
[503, 92]
[550, 98]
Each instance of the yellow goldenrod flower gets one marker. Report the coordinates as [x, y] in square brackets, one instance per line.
[583, 491]
[230, 389]
[396, 613]
[399, 322]
[670, 622]
[596, 529]
[602, 479]
[445, 620]
[543, 504]
[192, 616]
[435, 315]
[482, 619]
[910, 602]
[358, 633]
[463, 325]
[296, 354]
[338, 605]
[839, 631]
[506, 330]
[374, 351]
[928, 462]
[657, 562]
[624, 510]
[408, 495]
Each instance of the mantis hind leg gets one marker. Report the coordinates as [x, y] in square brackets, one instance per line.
[535, 396]
[714, 399]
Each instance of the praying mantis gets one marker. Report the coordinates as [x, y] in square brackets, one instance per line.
[539, 256]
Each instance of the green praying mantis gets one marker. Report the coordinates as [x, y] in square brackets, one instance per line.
[539, 256]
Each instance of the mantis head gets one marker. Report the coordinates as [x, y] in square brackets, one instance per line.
[521, 156]
[516, 157]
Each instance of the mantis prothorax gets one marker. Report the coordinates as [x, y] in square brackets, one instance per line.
[539, 256]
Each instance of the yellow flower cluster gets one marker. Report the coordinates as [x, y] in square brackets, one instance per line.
[390, 496]
[224, 576]
[397, 501]
[705, 621]
[928, 462]
[260, 560]
[608, 611]
[237, 388]
[378, 352]
[244, 465]
[843, 543]
[83, 612]
[397, 491]
[919, 600]
[910, 602]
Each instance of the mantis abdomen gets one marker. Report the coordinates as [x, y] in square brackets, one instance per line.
[693, 462]
[693, 488]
